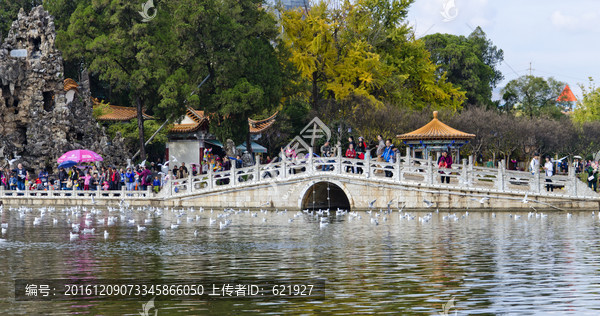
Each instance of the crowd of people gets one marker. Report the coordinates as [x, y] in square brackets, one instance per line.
[154, 176]
[83, 178]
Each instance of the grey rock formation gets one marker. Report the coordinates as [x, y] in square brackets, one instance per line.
[230, 149]
[36, 122]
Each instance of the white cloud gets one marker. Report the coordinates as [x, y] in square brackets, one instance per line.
[582, 22]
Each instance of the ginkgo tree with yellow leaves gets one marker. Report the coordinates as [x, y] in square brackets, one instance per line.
[364, 49]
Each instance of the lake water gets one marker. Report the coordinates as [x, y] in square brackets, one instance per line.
[488, 263]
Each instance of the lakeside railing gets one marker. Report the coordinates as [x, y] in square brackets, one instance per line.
[405, 170]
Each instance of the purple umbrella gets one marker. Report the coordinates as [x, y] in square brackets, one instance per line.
[79, 156]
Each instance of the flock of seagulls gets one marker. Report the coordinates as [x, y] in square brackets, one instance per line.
[88, 220]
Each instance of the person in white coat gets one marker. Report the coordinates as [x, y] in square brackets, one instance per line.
[549, 168]
[534, 165]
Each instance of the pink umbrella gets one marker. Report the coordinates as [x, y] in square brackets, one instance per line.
[79, 156]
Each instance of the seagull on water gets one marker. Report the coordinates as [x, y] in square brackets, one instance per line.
[141, 228]
[73, 236]
[105, 235]
[524, 200]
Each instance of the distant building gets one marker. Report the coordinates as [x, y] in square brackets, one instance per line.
[291, 4]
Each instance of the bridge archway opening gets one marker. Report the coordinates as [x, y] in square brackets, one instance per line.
[316, 197]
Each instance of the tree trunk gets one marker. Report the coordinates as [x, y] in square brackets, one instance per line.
[140, 119]
[248, 144]
[315, 90]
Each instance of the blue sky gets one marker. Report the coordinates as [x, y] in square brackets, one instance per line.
[560, 38]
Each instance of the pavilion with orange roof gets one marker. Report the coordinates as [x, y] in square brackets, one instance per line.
[435, 136]
[188, 139]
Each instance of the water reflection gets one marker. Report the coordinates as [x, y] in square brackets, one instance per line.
[516, 263]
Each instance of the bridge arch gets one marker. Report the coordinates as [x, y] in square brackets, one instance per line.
[314, 196]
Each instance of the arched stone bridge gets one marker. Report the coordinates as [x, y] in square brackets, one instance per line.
[339, 182]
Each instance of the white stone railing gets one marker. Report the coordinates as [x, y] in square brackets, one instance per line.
[77, 194]
[406, 170]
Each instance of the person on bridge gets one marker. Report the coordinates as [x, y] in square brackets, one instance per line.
[361, 149]
[388, 155]
[549, 167]
[445, 162]
[350, 153]
[21, 175]
[592, 172]
[380, 146]
[534, 165]
[326, 152]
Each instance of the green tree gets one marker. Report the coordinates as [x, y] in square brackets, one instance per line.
[114, 43]
[532, 96]
[234, 43]
[469, 62]
[588, 108]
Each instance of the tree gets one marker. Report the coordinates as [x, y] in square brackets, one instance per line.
[532, 96]
[234, 43]
[470, 62]
[130, 55]
[365, 49]
[588, 108]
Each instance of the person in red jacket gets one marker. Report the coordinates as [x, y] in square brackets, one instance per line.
[445, 161]
[350, 153]
[146, 178]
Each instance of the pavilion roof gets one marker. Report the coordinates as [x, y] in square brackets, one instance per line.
[199, 118]
[261, 125]
[116, 113]
[435, 130]
[70, 84]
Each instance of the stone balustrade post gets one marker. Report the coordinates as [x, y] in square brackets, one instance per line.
[284, 167]
[464, 173]
[339, 158]
[368, 164]
[256, 169]
[311, 164]
[536, 180]
[429, 176]
[149, 189]
[190, 182]
[500, 177]
[408, 157]
[233, 173]
[210, 177]
[572, 181]
[398, 167]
